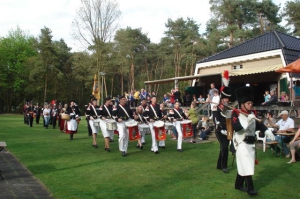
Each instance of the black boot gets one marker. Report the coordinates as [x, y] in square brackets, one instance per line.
[239, 183]
[249, 186]
[71, 137]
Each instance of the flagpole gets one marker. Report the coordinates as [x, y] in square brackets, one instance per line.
[102, 75]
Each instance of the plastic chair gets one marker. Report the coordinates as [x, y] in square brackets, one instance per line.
[262, 139]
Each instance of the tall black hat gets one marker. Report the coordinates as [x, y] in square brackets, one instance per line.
[225, 92]
[244, 94]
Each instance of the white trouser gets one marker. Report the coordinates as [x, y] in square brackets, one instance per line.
[177, 125]
[154, 143]
[161, 143]
[112, 133]
[143, 133]
[123, 136]
[106, 133]
[95, 129]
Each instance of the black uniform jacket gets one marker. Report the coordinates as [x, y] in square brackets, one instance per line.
[119, 113]
[106, 111]
[177, 114]
[94, 112]
[152, 112]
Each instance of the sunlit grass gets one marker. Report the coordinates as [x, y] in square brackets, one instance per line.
[74, 169]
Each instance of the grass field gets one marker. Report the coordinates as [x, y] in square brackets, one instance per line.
[74, 169]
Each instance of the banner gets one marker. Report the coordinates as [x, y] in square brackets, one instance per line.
[96, 90]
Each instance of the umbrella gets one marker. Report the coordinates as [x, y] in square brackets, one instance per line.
[293, 67]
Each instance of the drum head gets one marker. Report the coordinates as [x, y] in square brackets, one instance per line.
[186, 121]
[158, 124]
[168, 124]
[144, 126]
[110, 121]
[131, 123]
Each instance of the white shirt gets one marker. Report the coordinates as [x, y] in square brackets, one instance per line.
[284, 125]
[216, 101]
[46, 110]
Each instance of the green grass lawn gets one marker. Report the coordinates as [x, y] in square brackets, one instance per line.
[74, 169]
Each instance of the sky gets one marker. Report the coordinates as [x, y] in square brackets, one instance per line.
[149, 15]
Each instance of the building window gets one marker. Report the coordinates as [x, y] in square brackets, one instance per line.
[237, 67]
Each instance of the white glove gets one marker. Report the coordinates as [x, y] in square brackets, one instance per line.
[269, 135]
[250, 117]
[224, 132]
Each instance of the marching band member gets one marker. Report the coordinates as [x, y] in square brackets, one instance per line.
[178, 115]
[221, 130]
[138, 116]
[58, 113]
[72, 125]
[94, 112]
[38, 113]
[245, 125]
[87, 116]
[62, 124]
[111, 104]
[30, 111]
[54, 114]
[152, 113]
[46, 115]
[106, 113]
[161, 144]
[144, 104]
[122, 113]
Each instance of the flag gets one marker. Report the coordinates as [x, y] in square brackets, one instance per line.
[95, 90]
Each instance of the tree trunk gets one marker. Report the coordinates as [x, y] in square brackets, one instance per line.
[112, 85]
[45, 91]
[132, 75]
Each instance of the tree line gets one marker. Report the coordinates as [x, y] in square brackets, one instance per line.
[39, 68]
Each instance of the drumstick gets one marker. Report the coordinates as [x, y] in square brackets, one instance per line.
[246, 114]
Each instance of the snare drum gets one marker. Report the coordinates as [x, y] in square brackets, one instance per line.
[169, 126]
[133, 130]
[144, 128]
[111, 125]
[159, 129]
[158, 124]
[96, 122]
[187, 128]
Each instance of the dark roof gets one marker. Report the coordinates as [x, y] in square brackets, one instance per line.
[266, 42]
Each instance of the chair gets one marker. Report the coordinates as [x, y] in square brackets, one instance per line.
[275, 143]
[262, 139]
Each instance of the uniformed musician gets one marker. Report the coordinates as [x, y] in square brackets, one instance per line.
[221, 130]
[30, 111]
[178, 115]
[164, 115]
[38, 113]
[153, 113]
[245, 125]
[138, 116]
[54, 114]
[106, 113]
[72, 125]
[94, 113]
[122, 113]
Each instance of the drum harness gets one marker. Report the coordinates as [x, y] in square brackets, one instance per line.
[95, 111]
[124, 110]
[107, 111]
[154, 111]
[179, 114]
